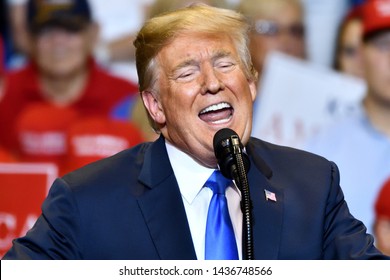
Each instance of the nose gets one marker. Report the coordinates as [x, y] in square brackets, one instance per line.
[211, 81]
[55, 35]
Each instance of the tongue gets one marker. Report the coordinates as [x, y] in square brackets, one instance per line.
[215, 115]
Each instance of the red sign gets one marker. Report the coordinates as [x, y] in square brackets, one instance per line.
[23, 187]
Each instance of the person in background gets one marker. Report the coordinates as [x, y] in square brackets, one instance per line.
[113, 48]
[5, 156]
[348, 51]
[196, 78]
[278, 35]
[61, 68]
[360, 144]
[118, 21]
[277, 25]
[382, 219]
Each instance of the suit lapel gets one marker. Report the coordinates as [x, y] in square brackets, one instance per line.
[162, 206]
[164, 212]
[267, 213]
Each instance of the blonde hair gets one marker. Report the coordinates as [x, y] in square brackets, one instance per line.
[159, 31]
[162, 6]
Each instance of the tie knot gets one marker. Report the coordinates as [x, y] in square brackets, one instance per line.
[217, 182]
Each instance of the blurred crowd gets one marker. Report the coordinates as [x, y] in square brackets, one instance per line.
[69, 93]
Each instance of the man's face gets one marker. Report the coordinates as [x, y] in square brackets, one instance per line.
[59, 53]
[376, 55]
[350, 53]
[202, 89]
[281, 31]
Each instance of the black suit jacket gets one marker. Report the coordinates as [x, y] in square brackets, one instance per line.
[129, 207]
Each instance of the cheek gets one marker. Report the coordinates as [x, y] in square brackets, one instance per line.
[371, 66]
[243, 89]
[85, 44]
[378, 72]
[43, 57]
[374, 60]
[42, 49]
[174, 103]
[78, 48]
[346, 63]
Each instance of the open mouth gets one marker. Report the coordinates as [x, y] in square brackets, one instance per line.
[217, 113]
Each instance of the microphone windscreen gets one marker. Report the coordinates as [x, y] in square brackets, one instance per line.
[221, 136]
[223, 150]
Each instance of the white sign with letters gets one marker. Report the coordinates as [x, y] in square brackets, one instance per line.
[296, 99]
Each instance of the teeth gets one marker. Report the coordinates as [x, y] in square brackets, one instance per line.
[220, 121]
[215, 107]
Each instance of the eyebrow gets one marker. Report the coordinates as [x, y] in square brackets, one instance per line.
[191, 62]
[221, 54]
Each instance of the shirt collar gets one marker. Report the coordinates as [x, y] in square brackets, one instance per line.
[190, 175]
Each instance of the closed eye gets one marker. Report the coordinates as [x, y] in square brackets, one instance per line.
[185, 73]
[225, 66]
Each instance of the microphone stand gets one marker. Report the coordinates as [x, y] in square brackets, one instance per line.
[241, 179]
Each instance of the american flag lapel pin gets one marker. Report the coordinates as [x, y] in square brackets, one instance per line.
[269, 195]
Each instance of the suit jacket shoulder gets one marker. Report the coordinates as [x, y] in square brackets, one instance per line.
[127, 206]
[309, 218]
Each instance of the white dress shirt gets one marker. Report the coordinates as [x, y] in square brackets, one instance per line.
[191, 177]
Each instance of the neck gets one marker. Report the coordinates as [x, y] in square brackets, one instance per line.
[379, 114]
[64, 90]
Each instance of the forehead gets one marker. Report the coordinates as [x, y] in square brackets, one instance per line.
[197, 45]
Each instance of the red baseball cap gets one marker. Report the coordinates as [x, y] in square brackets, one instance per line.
[376, 16]
[382, 204]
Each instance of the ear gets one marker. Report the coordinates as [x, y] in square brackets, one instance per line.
[153, 105]
[253, 89]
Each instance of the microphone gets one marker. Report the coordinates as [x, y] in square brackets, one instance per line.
[234, 164]
[228, 151]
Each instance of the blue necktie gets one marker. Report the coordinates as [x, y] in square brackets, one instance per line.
[220, 240]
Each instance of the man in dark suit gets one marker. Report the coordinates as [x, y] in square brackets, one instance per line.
[149, 202]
